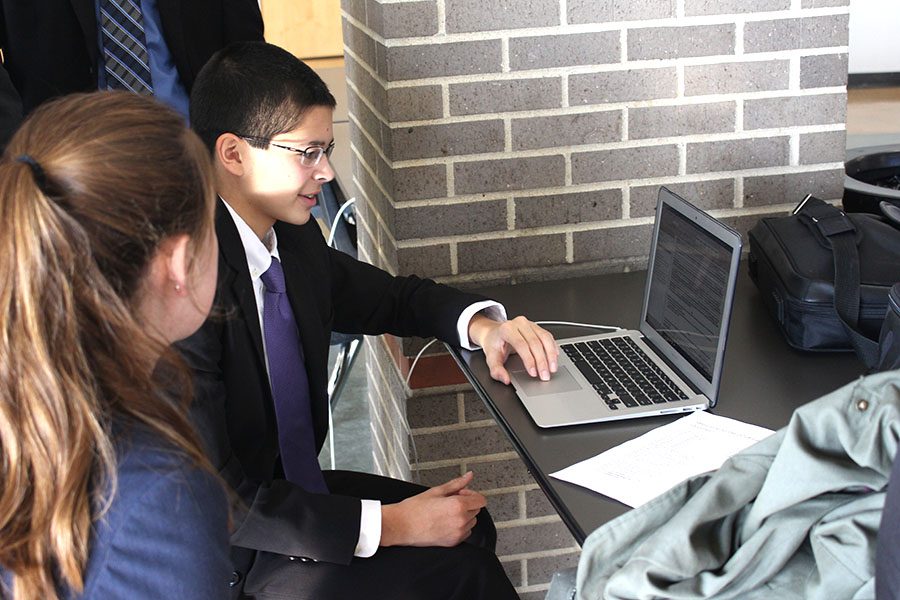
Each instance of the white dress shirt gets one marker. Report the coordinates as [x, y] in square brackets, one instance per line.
[259, 257]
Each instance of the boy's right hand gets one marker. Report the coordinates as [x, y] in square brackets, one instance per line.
[440, 516]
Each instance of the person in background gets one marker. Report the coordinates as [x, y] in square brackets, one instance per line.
[56, 47]
[261, 399]
[107, 256]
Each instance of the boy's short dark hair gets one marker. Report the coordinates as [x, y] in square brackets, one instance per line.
[254, 89]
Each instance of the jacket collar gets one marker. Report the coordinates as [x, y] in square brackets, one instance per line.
[86, 13]
[236, 275]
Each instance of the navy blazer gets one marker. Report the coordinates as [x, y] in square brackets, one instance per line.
[165, 534]
[233, 408]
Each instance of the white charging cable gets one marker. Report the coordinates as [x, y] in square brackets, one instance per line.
[331, 232]
[549, 323]
[585, 325]
[412, 439]
[334, 221]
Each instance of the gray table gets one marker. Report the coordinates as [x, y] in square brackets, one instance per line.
[763, 382]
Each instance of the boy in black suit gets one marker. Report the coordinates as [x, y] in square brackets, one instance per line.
[267, 118]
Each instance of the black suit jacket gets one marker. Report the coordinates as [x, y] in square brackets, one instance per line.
[51, 47]
[233, 408]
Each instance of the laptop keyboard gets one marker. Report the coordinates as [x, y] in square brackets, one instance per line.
[622, 373]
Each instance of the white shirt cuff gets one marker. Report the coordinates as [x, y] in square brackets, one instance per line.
[369, 529]
[492, 310]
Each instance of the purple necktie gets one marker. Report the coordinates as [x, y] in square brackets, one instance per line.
[290, 386]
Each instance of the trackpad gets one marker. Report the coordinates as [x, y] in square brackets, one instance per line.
[561, 381]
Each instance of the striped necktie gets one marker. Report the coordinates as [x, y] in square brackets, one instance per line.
[125, 55]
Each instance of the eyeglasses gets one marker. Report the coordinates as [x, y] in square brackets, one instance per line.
[309, 157]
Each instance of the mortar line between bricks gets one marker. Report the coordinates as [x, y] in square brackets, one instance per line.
[504, 55]
[549, 72]
[445, 100]
[454, 427]
[525, 487]
[513, 275]
[525, 589]
[794, 73]
[481, 458]
[795, 149]
[442, 17]
[529, 521]
[595, 226]
[364, 223]
[583, 227]
[685, 101]
[732, 136]
[382, 120]
[368, 31]
[539, 554]
[543, 31]
[377, 145]
[487, 195]
[507, 134]
[451, 181]
[441, 390]
[378, 218]
[601, 186]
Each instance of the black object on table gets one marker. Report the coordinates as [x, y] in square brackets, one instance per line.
[764, 380]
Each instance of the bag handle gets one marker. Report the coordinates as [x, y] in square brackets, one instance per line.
[841, 234]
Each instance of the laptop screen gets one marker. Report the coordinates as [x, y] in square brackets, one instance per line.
[687, 293]
[687, 303]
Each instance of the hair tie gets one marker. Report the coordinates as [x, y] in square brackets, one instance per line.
[37, 171]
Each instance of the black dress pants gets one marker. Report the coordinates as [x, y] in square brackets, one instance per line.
[469, 571]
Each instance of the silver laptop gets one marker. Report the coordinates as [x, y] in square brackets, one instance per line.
[673, 363]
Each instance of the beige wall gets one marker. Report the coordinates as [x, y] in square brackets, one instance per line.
[306, 28]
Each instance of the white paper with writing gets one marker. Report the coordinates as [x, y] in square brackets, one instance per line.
[645, 467]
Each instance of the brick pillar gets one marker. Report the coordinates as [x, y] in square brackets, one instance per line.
[513, 140]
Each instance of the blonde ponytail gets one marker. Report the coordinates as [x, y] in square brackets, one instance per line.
[89, 187]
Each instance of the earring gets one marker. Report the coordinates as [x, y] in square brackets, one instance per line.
[177, 287]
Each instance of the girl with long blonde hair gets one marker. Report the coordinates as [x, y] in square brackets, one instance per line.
[107, 255]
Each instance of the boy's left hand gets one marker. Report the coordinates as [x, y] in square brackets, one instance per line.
[534, 345]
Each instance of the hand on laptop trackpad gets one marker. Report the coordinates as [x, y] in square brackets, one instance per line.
[561, 381]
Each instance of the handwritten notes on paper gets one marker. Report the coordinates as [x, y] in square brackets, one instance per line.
[645, 467]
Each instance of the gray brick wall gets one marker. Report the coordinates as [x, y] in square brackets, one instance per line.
[453, 434]
[511, 140]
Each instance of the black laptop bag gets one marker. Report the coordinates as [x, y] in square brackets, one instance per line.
[825, 275]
